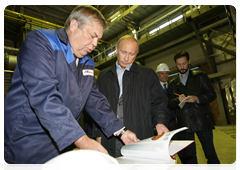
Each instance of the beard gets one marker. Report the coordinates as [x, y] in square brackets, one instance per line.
[183, 71]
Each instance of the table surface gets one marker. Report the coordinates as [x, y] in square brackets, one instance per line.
[186, 167]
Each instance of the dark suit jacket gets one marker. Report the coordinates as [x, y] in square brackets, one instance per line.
[144, 102]
[195, 116]
[171, 111]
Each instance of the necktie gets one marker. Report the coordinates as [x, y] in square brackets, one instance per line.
[165, 88]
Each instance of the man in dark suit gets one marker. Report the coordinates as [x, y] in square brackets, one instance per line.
[195, 114]
[135, 95]
[163, 72]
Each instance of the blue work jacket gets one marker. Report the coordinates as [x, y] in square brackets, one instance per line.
[46, 98]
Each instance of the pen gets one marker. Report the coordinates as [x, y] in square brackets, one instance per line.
[177, 94]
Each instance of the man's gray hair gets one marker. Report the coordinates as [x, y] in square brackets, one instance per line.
[125, 37]
[84, 14]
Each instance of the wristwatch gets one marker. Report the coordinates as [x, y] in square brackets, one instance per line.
[122, 132]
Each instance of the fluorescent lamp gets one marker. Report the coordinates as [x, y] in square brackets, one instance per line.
[153, 31]
[177, 18]
[164, 25]
[173, 74]
[115, 17]
[195, 68]
[112, 53]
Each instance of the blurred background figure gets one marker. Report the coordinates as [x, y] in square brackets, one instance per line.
[163, 72]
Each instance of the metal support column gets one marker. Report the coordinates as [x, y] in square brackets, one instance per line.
[217, 87]
[220, 103]
[199, 38]
[212, 59]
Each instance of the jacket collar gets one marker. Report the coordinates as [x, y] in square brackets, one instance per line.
[134, 68]
[62, 34]
[188, 80]
[63, 37]
[190, 77]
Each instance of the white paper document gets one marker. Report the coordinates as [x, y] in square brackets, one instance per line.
[157, 149]
[182, 103]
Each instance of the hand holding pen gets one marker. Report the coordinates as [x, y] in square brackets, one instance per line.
[181, 97]
[190, 99]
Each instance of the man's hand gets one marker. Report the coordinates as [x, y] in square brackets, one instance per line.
[86, 143]
[161, 128]
[191, 99]
[129, 137]
[181, 97]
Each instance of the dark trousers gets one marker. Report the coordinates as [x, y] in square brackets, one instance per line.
[189, 154]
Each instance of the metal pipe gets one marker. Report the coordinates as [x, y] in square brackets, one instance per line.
[8, 71]
[27, 21]
[10, 61]
[123, 14]
[31, 18]
[160, 18]
[41, 25]
[182, 38]
[11, 48]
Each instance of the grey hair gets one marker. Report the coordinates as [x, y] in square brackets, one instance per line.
[83, 14]
[126, 37]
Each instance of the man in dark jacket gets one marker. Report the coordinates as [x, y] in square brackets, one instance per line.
[162, 73]
[195, 114]
[135, 95]
[49, 92]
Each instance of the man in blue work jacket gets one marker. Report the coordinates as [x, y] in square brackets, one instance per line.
[52, 84]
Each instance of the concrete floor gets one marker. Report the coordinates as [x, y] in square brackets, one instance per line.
[224, 138]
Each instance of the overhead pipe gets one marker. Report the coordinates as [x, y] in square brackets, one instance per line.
[182, 38]
[123, 14]
[34, 19]
[42, 26]
[31, 18]
[175, 10]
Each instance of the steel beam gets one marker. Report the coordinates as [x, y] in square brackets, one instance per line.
[221, 74]
[123, 15]
[220, 48]
[231, 14]
[199, 38]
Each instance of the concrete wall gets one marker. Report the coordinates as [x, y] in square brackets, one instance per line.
[192, 46]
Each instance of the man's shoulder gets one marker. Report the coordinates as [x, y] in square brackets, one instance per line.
[197, 73]
[105, 71]
[174, 80]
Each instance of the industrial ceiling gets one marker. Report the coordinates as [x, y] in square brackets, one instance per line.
[157, 27]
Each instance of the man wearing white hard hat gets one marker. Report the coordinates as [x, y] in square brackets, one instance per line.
[163, 72]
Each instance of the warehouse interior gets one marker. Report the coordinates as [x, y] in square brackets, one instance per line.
[207, 32]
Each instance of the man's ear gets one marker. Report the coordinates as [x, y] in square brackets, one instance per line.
[116, 48]
[73, 25]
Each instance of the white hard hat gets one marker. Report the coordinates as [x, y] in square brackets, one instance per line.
[162, 67]
[82, 158]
